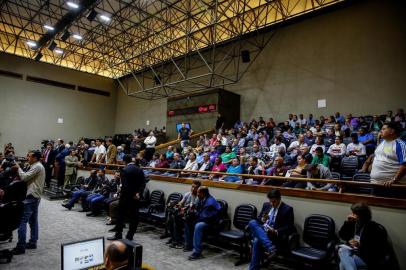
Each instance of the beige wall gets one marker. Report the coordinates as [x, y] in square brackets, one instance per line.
[394, 220]
[353, 57]
[133, 113]
[29, 111]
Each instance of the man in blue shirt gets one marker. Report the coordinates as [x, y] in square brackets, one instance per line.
[208, 210]
[366, 139]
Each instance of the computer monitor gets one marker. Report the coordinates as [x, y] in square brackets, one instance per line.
[83, 254]
[179, 126]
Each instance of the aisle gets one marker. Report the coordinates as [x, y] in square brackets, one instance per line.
[58, 225]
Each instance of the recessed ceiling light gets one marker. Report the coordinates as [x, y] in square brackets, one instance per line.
[48, 27]
[105, 18]
[72, 4]
[31, 43]
[76, 36]
[58, 51]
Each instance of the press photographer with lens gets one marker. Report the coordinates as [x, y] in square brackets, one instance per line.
[180, 213]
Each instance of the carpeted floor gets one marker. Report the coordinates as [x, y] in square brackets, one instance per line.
[58, 225]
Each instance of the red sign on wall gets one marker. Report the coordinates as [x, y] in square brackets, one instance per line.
[193, 110]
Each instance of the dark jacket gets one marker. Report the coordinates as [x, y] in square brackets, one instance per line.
[15, 191]
[208, 210]
[284, 221]
[132, 181]
[373, 242]
[91, 182]
[51, 157]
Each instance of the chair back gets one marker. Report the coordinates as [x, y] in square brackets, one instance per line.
[362, 177]
[223, 209]
[336, 175]
[174, 197]
[243, 214]
[349, 166]
[157, 197]
[318, 231]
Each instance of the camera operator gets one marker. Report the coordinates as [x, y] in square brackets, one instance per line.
[178, 213]
[35, 179]
[5, 170]
[16, 190]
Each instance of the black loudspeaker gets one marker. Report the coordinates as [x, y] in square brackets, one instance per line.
[65, 36]
[245, 56]
[135, 251]
[52, 46]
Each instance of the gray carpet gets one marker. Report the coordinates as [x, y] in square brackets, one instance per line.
[58, 225]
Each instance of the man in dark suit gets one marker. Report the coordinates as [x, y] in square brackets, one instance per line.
[48, 160]
[132, 185]
[274, 223]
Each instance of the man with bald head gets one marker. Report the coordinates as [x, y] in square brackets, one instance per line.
[116, 256]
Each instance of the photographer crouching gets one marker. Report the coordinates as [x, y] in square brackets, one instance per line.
[34, 176]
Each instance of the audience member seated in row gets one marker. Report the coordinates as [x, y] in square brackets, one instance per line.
[366, 242]
[207, 214]
[176, 219]
[274, 223]
[85, 189]
[234, 168]
[319, 171]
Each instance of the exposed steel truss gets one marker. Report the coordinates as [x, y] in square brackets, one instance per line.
[154, 42]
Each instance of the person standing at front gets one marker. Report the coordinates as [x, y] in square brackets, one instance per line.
[132, 185]
[35, 179]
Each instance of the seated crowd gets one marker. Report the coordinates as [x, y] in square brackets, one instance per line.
[299, 147]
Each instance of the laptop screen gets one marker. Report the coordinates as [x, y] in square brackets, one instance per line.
[83, 254]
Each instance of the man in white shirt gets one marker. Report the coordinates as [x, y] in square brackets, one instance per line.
[35, 179]
[298, 147]
[191, 164]
[99, 152]
[389, 165]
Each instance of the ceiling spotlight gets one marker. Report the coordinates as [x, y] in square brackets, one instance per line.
[92, 15]
[65, 36]
[76, 36]
[52, 46]
[38, 57]
[58, 51]
[105, 18]
[31, 43]
[48, 27]
[72, 4]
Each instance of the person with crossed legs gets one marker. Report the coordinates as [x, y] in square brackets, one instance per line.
[274, 222]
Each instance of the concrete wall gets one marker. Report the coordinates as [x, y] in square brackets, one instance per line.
[392, 219]
[133, 113]
[353, 57]
[29, 111]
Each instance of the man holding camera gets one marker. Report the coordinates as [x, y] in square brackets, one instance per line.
[274, 222]
[35, 179]
[178, 215]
